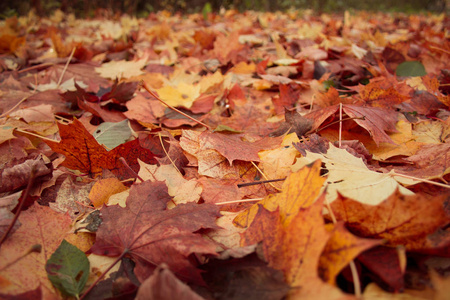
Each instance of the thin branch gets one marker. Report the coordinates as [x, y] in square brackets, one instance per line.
[44, 65]
[239, 201]
[65, 67]
[13, 108]
[340, 125]
[264, 175]
[144, 85]
[393, 173]
[36, 135]
[33, 172]
[259, 182]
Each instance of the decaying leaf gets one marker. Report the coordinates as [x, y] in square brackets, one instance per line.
[152, 235]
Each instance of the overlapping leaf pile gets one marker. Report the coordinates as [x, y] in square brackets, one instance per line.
[307, 157]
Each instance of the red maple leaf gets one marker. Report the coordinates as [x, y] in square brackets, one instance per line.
[152, 235]
[85, 154]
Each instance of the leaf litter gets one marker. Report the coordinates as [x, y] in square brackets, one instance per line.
[326, 175]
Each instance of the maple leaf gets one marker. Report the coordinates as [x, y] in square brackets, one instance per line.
[180, 189]
[152, 235]
[340, 250]
[40, 225]
[299, 190]
[294, 247]
[85, 154]
[377, 121]
[349, 176]
[400, 219]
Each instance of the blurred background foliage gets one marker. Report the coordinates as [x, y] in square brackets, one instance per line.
[141, 8]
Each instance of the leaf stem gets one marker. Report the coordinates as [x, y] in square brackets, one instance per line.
[19, 208]
[124, 162]
[145, 86]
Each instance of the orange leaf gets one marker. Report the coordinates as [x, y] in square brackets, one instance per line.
[40, 225]
[294, 248]
[340, 250]
[299, 190]
[103, 189]
[402, 220]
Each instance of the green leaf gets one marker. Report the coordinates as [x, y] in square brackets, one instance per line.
[410, 68]
[112, 134]
[68, 269]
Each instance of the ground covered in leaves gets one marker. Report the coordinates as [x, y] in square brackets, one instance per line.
[225, 156]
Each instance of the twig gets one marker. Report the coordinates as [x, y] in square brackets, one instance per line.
[340, 125]
[239, 201]
[393, 173]
[13, 108]
[44, 65]
[439, 49]
[264, 175]
[19, 208]
[65, 67]
[36, 135]
[259, 182]
[144, 85]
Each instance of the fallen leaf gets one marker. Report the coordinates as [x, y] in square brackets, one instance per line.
[294, 247]
[72, 197]
[68, 269]
[349, 176]
[182, 190]
[102, 190]
[299, 190]
[152, 235]
[400, 219]
[385, 267]
[29, 273]
[164, 285]
[121, 69]
[111, 134]
[340, 250]
[85, 154]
